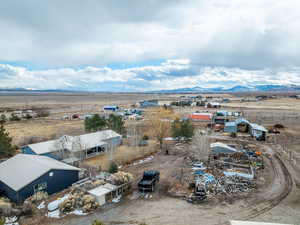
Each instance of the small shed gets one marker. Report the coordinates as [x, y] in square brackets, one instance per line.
[242, 125]
[104, 193]
[23, 175]
[230, 127]
[258, 131]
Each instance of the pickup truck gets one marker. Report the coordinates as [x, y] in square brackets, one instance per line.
[149, 180]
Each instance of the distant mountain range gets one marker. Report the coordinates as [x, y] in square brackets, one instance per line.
[238, 88]
[197, 89]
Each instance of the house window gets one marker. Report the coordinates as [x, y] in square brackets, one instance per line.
[40, 187]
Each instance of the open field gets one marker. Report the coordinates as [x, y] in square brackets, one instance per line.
[278, 104]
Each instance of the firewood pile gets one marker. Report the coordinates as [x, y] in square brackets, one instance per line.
[120, 178]
[79, 199]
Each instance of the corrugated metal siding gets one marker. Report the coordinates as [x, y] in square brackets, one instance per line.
[230, 128]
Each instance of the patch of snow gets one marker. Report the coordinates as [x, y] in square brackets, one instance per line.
[143, 160]
[41, 206]
[53, 214]
[117, 199]
[78, 212]
[55, 204]
[11, 220]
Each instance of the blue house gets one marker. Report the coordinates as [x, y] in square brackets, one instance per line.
[23, 175]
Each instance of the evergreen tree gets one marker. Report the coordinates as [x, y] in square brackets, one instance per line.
[182, 129]
[116, 123]
[6, 148]
[95, 123]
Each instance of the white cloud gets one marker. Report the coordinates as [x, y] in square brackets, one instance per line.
[252, 34]
[170, 74]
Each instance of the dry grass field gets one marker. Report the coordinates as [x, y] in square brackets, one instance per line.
[23, 131]
[278, 104]
[123, 155]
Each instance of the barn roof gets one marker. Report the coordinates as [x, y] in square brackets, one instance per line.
[201, 116]
[241, 120]
[86, 141]
[22, 169]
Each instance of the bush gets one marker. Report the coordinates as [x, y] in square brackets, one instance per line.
[145, 138]
[42, 113]
[2, 221]
[3, 118]
[113, 168]
[14, 118]
[94, 123]
[97, 222]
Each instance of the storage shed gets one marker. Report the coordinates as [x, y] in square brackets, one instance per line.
[23, 175]
[230, 127]
[104, 193]
[257, 131]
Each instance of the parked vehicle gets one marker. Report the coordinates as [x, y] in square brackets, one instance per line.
[149, 180]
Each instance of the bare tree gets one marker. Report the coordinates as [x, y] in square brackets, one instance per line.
[160, 124]
[200, 145]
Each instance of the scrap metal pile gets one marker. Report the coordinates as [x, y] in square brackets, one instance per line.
[226, 175]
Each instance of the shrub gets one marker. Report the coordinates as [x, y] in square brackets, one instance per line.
[113, 168]
[97, 222]
[14, 118]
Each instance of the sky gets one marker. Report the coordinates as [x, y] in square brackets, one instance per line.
[134, 45]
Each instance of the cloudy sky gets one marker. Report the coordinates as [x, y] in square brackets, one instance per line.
[134, 45]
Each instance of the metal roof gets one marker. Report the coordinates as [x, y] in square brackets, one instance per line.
[22, 169]
[103, 189]
[255, 126]
[74, 143]
[241, 120]
[222, 145]
[230, 124]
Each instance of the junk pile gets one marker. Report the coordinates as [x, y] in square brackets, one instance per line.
[90, 184]
[37, 197]
[120, 178]
[78, 199]
[208, 182]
